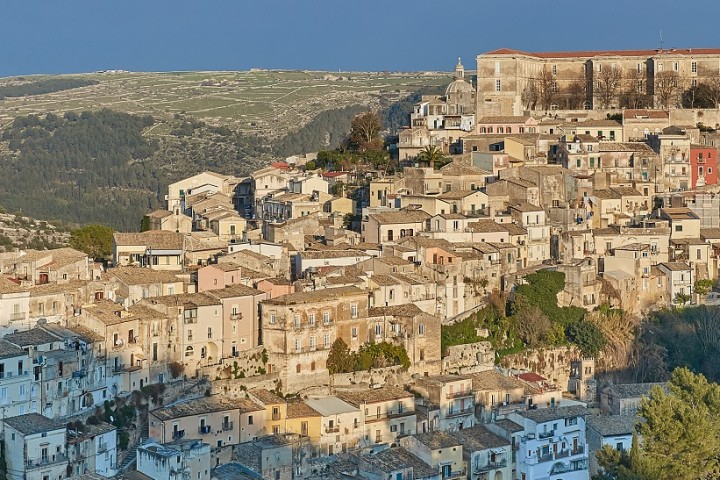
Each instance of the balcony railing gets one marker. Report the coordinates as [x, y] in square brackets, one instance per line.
[178, 434]
[45, 461]
[102, 448]
[204, 429]
[390, 414]
[549, 434]
[227, 426]
[17, 316]
[332, 429]
[236, 316]
[490, 466]
[465, 393]
[455, 474]
[459, 412]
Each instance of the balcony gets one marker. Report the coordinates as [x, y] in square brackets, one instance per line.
[236, 316]
[460, 394]
[455, 474]
[46, 461]
[490, 466]
[335, 429]
[178, 434]
[390, 414]
[276, 416]
[204, 429]
[17, 316]
[118, 368]
[102, 448]
[549, 434]
[459, 412]
[227, 426]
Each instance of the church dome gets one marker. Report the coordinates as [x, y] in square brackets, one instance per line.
[458, 86]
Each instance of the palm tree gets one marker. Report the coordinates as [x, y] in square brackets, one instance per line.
[429, 155]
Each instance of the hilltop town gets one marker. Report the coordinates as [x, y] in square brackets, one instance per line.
[468, 312]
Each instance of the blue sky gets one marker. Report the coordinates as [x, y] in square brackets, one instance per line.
[70, 36]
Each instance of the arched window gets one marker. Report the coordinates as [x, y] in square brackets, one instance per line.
[297, 368]
[189, 351]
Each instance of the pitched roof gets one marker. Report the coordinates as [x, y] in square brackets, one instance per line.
[154, 239]
[32, 423]
[437, 439]
[34, 336]
[633, 390]
[199, 406]
[314, 296]
[141, 276]
[373, 395]
[613, 425]
[478, 438]
[404, 216]
[607, 53]
[493, 380]
[542, 415]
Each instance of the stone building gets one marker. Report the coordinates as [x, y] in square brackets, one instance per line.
[512, 81]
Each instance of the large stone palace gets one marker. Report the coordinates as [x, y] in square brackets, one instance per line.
[510, 82]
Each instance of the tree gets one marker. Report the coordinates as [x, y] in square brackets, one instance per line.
[145, 223]
[703, 287]
[340, 360]
[547, 89]
[634, 94]
[95, 240]
[529, 95]
[681, 432]
[667, 87]
[609, 83]
[365, 132]
[622, 465]
[532, 325]
[587, 336]
[429, 155]
[713, 90]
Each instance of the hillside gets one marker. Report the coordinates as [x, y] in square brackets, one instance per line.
[230, 122]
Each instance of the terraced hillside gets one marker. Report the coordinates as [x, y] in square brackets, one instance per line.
[230, 122]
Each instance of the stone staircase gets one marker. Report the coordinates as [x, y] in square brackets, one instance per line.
[132, 456]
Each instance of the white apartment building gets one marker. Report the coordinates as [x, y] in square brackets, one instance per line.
[35, 448]
[15, 381]
[552, 445]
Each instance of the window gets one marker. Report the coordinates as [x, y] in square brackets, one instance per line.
[209, 332]
[250, 419]
[497, 85]
[354, 332]
[296, 319]
[312, 342]
[131, 336]
[378, 329]
[639, 68]
[311, 319]
[327, 340]
[421, 329]
[272, 318]
[189, 351]
[676, 66]
[694, 82]
[497, 68]
[326, 318]
[422, 354]
[554, 86]
[354, 310]
[554, 69]
[693, 67]
[297, 368]
[599, 67]
[578, 162]
[298, 345]
[678, 228]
